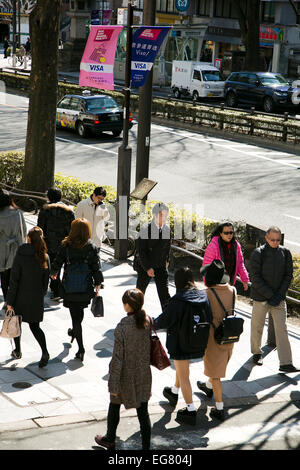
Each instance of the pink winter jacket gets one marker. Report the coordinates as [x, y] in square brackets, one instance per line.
[213, 252]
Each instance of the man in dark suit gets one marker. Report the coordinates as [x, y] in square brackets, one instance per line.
[153, 252]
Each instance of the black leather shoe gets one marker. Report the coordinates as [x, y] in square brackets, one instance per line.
[187, 417]
[16, 354]
[44, 360]
[288, 368]
[169, 395]
[219, 414]
[103, 442]
[257, 359]
[202, 386]
[80, 355]
[70, 333]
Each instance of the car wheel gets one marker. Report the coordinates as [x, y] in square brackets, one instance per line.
[268, 104]
[231, 100]
[177, 93]
[116, 133]
[195, 95]
[81, 129]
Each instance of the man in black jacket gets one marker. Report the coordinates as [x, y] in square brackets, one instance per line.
[55, 220]
[271, 272]
[153, 252]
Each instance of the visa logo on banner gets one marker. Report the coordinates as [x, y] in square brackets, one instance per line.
[146, 43]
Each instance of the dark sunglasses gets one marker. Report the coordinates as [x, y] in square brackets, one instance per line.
[228, 233]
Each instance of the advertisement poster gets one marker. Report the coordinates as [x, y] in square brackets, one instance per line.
[145, 46]
[97, 63]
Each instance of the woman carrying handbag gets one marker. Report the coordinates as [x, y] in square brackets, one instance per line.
[27, 287]
[130, 377]
[79, 256]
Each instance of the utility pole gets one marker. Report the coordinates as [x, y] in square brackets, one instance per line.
[145, 106]
[124, 155]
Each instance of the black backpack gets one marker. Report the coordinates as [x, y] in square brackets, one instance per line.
[194, 329]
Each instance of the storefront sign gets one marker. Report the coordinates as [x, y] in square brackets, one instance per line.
[182, 5]
[270, 33]
[145, 46]
[97, 64]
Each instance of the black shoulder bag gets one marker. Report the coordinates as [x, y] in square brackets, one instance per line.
[231, 327]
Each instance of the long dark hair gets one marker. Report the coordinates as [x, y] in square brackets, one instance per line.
[40, 249]
[219, 229]
[184, 279]
[135, 299]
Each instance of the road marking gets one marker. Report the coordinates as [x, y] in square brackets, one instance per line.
[292, 243]
[213, 142]
[292, 216]
[86, 145]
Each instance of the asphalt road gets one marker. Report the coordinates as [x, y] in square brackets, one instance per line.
[218, 177]
[266, 426]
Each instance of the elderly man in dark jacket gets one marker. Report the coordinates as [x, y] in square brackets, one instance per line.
[271, 272]
[153, 252]
[55, 220]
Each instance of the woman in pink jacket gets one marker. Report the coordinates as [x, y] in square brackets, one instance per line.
[224, 246]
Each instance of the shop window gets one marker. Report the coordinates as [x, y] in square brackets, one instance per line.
[203, 8]
[268, 12]
[81, 5]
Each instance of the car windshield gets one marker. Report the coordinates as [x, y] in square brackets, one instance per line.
[273, 80]
[101, 103]
[212, 76]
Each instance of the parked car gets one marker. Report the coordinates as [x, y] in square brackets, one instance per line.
[266, 89]
[90, 113]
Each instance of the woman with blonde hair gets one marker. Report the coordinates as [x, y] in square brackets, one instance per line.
[77, 249]
[27, 287]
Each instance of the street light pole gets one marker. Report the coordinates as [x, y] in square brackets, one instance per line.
[14, 24]
[124, 155]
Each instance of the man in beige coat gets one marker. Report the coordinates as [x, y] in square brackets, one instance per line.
[95, 211]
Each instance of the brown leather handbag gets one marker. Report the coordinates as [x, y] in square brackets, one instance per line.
[158, 355]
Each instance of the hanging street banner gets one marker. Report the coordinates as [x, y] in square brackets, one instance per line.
[145, 46]
[97, 63]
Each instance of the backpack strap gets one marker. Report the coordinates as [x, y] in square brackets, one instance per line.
[220, 302]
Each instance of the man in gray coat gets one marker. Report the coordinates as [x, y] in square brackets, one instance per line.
[271, 272]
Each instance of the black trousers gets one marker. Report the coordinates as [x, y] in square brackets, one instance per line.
[39, 336]
[5, 275]
[113, 419]
[77, 314]
[161, 278]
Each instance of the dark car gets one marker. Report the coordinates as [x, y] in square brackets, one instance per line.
[90, 114]
[266, 89]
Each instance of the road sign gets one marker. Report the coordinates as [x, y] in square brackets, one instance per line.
[182, 5]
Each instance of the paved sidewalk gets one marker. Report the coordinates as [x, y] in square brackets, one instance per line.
[68, 391]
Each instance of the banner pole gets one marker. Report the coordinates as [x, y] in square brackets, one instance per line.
[124, 155]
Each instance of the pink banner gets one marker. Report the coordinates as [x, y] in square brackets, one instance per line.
[97, 63]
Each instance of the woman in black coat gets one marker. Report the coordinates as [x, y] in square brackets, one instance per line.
[77, 248]
[188, 300]
[27, 287]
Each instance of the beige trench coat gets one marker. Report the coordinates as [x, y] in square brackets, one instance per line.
[216, 355]
[129, 369]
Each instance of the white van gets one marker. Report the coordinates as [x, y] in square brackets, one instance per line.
[196, 79]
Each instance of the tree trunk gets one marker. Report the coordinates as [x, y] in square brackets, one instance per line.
[249, 25]
[252, 62]
[41, 127]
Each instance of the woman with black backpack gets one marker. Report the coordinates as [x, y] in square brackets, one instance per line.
[82, 273]
[189, 302]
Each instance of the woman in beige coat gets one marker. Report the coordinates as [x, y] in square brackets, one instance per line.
[216, 355]
[130, 377]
